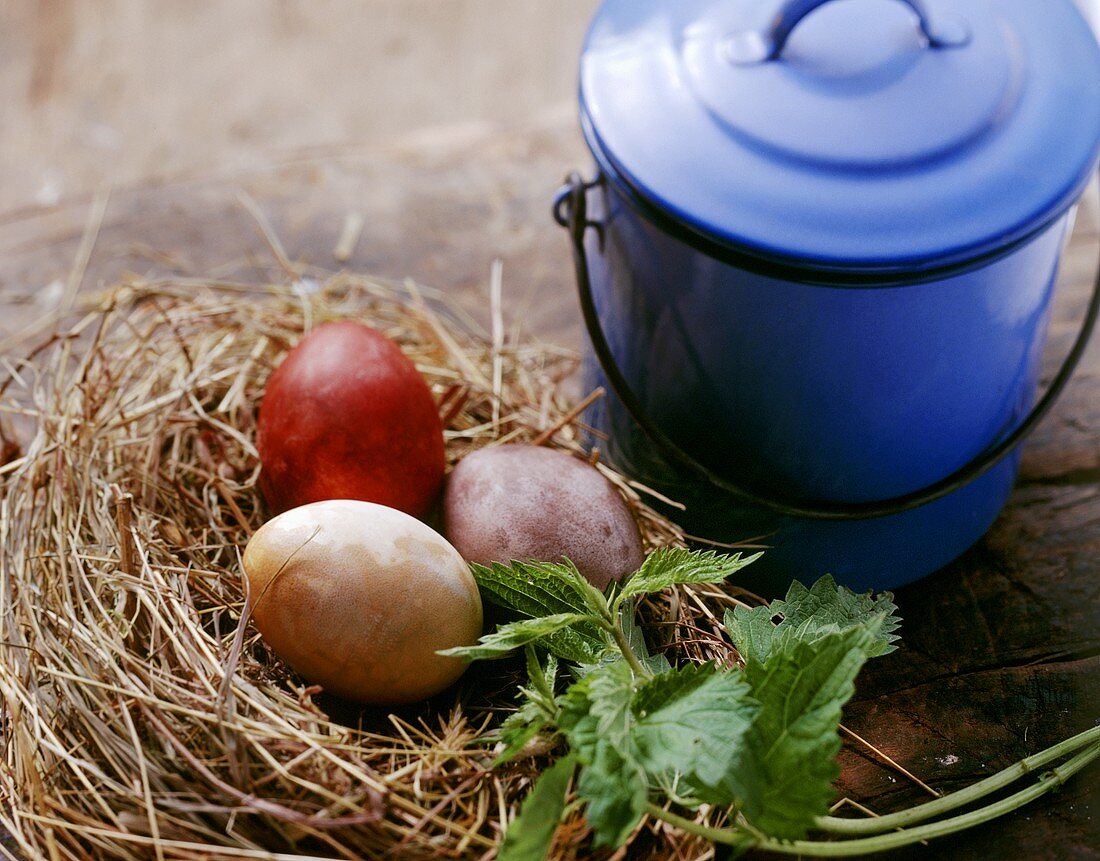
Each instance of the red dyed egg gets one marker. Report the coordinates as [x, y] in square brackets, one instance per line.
[347, 416]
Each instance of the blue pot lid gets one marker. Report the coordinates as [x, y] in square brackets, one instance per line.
[871, 136]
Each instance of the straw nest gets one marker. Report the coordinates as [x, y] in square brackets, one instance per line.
[141, 718]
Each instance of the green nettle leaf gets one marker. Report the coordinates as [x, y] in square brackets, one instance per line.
[790, 751]
[614, 785]
[764, 740]
[692, 721]
[825, 603]
[752, 631]
[508, 638]
[675, 566]
[807, 614]
[537, 711]
[636, 639]
[538, 589]
[531, 833]
[517, 730]
[604, 693]
[542, 679]
[597, 720]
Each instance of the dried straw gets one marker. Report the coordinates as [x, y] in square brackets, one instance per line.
[141, 719]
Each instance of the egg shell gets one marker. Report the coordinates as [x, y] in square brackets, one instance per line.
[358, 597]
[523, 502]
[346, 415]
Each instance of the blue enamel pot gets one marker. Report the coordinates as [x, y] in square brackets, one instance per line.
[817, 261]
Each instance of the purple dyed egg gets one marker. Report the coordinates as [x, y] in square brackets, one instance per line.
[524, 502]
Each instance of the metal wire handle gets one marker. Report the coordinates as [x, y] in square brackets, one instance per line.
[750, 47]
[571, 211]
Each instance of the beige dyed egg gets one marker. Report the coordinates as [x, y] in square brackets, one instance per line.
[358, 598]
[526, 502]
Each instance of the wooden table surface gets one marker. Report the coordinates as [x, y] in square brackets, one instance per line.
[1001, 653]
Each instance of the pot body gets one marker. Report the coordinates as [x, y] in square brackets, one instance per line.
[834, 393]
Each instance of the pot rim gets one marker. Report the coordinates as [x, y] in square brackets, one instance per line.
[855, 274]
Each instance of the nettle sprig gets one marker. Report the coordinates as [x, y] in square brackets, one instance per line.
[756, 742]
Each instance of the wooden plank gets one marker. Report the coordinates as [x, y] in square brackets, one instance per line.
[439, 212]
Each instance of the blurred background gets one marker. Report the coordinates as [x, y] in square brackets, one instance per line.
[130, 130]
[121, 92]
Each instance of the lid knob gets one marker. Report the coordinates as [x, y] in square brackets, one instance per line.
[750, 47]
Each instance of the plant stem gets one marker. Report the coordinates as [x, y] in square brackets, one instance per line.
[896, 839]
[728, 836]
[968, 795]
[640, 669]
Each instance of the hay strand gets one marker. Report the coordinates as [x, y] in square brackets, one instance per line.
[143, 716]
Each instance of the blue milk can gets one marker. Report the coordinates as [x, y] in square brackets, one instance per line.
[817, 261]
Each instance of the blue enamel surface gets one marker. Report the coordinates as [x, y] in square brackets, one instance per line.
[860, 147]
[836, 393]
